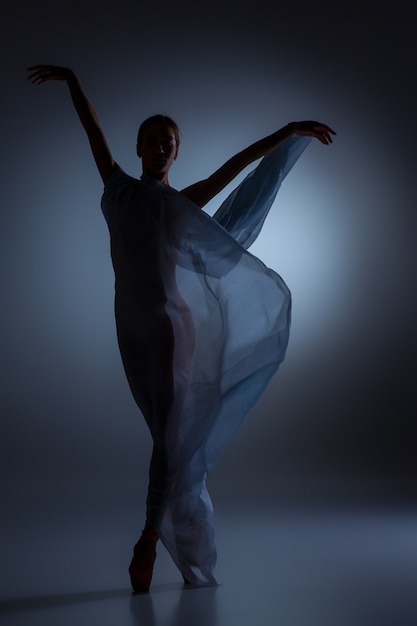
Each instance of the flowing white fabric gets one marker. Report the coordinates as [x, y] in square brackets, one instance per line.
[202, 326]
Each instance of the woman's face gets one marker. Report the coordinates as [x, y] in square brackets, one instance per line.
[158, 149]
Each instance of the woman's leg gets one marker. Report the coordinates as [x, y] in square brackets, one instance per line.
[157, 360]
[147, 348]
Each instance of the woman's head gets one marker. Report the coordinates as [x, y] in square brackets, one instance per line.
[158, 119]
[157, 145]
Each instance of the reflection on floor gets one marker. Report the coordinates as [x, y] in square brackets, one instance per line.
[282, 569]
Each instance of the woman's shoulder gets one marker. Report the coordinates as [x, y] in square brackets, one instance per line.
[117, 188]
[118, 178]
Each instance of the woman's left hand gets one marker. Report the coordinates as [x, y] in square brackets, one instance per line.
[322, 132]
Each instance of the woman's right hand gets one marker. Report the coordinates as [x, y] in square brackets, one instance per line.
[42, 73]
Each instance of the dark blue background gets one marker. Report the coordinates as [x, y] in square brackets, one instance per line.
[337, 424]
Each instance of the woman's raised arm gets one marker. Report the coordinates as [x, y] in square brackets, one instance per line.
[88, 117]
[202, 192]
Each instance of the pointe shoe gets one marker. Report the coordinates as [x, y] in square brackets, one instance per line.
[141, 566]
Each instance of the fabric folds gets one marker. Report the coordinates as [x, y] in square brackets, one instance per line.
[202, 327]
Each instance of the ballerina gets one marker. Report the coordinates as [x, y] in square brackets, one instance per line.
[202, 324]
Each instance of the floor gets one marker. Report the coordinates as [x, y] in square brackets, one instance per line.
[284, 568]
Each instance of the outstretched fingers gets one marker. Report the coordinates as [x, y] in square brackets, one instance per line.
[42, 73]
[320, 131]
[324, 133]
